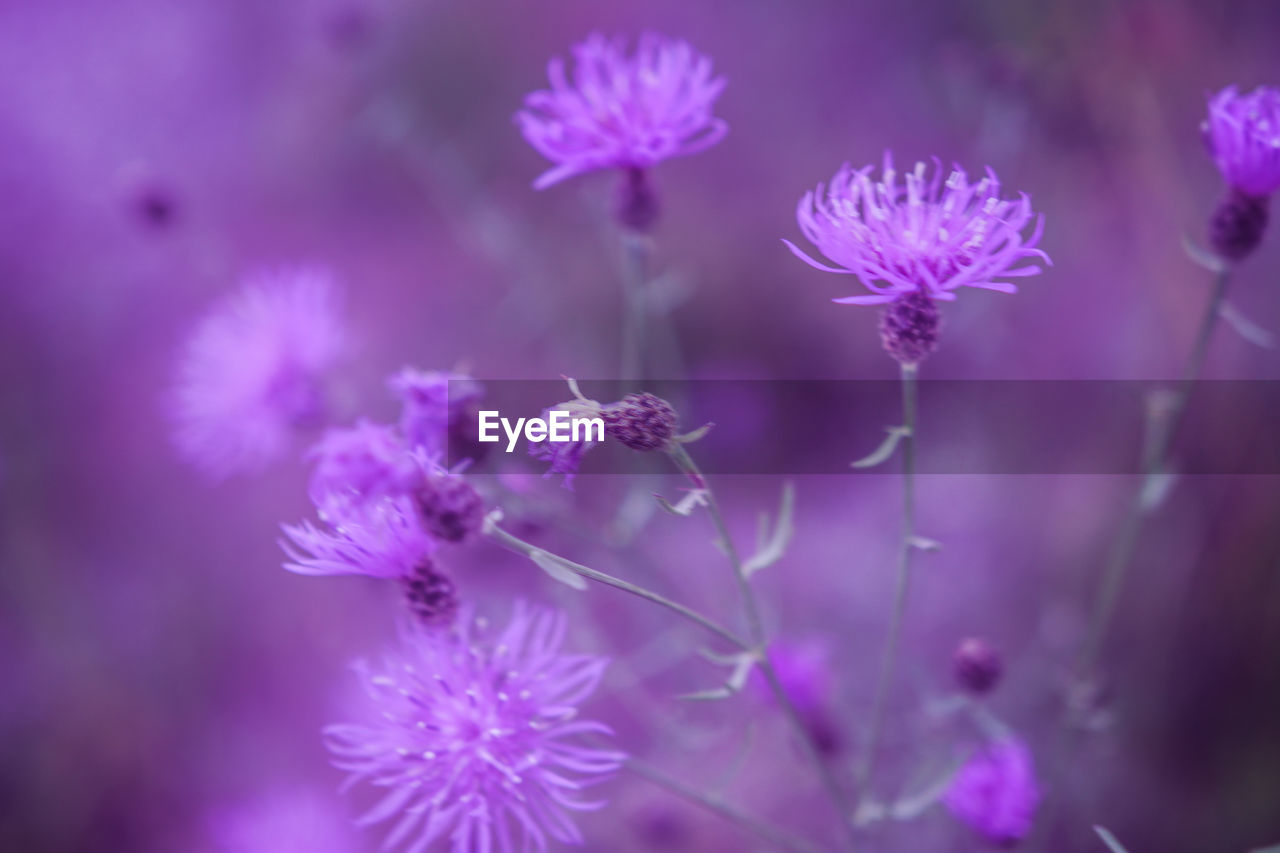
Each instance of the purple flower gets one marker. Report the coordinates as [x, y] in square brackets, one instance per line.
[625, 112]
[383, 539]
[359, 463]
[1242, 134]
[477, 739]
[995, 793]
[450, 507]
[923, 234]
[252, 372]
[641, 421]
[433, 403]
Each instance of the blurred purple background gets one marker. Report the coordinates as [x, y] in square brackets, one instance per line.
[164, 681]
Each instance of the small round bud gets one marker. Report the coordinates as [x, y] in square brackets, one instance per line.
[431, 595]
[641, 421]
[977, 666]
[909, 327]
[452, 510]
[637, 206]
[1237, 225]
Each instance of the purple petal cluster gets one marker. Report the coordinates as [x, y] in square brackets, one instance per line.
[381, 539]
[359, 463]
[995, 793]
[1242, 134]
[253, 371]
[477, 739]
[919, 232]
[433, 403]
[620, 111]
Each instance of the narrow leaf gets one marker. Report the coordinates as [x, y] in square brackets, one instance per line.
[1246, 328]
[693, 498]
[886, 448]
[557, 570]
[773, 544]
[1203, 257]
[1110, 840]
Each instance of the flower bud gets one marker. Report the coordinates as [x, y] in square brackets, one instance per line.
[977, 666]
[641, 421]
[909, 327]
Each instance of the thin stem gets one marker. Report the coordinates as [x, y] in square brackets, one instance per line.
[635, 278]
[515, 543]
[766, 831]
[1155, 465]
[888, 662]
[755, 628]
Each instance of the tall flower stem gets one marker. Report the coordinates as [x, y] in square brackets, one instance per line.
[768, 832]
[1155, 466]
[756, 633]
[636, 252]
[888, 661]
[515, 543]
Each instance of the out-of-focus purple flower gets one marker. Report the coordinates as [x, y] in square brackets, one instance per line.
[995, 793]
[382, 539]
[434, 404]
[359, 463]
[451, 508]
[1242, 133]
[922, 234]
[253, 371]
[477, 739]
[804, 670]
[620, 111]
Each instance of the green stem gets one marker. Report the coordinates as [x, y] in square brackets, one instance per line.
[755, 626]
[1156, 465]
[768, 832]
[635, 278]
[889, 660]
[515, 543]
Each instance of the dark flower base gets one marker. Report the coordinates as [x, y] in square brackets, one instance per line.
[1237, 225]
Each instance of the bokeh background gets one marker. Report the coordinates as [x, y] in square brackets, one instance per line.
[164, 681]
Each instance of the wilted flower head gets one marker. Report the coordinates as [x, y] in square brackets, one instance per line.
[922, 234]
[566, 456]
[359, 463]
[382, 539]
[1242, 133]
[432, 404]
[252, 372]
[995, 793]
[626, 112]
[475, 738]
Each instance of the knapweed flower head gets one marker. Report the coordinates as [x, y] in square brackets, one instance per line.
[477, 738]
[623, 111]
[382, 539]
[431, 595]
[995, 793]
[450, 508]
[641, 421]
[432, 404]
[1242, 134]
[253, 371]
[357, 464]
[976, 665]
[919, 232]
